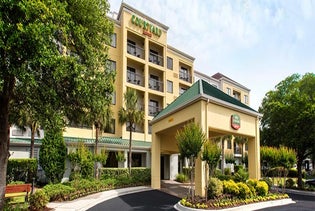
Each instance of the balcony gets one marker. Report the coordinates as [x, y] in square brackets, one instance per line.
[155, 84]
[135, 78]
[135, 50]
[185, 75]
[153, 110]
[156, 59]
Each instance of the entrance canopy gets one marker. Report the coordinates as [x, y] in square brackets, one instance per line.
[217, 113]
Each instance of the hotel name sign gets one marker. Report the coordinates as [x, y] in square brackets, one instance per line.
[148, 28]
[235, 121]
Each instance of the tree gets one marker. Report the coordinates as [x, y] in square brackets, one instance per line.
[289, 117]
[52, 55]
[131, 115]
[189, 141]
[211, 154]
[52, 156]
[241, 141]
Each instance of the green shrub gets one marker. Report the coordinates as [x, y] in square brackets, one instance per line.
[238, 167]
[52, 156]
[268, 180]
[58, 192]
[181, 178]
[241, 175]
[82, 162]
[262, 188]
[107, 173]
[223, 177]
[244, 191]
[230, 187]
[141, 174]
[215, 188]
[186, 171]
[252, 183]
[21, 169]
[38, 200]
[227, 171]
[290, 183]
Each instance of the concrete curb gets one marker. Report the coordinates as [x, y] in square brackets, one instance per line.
[89, 201]
[247, 207]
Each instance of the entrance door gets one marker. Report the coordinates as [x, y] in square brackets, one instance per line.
[162, 168]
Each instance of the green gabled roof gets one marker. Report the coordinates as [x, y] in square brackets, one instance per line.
[202, 89]
[190, 94]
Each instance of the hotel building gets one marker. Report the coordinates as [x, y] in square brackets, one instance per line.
[143, 61]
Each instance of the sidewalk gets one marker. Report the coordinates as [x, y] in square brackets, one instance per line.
[84, 203]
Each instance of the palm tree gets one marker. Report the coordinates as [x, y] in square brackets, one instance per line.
[131, 115]
[241, 141]
[26, 118]
[102, 120]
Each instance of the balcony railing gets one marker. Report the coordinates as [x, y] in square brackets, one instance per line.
[156, 84]
[135, 50]
[135, 78]
[156, 59]
[185, 76]
[153, 110]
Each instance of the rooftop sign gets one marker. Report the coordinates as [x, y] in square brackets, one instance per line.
[148, 28]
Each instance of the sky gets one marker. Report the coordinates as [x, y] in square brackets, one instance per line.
[256, 43]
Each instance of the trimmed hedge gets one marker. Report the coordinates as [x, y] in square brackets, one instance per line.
[262, 188]
[21, 169]
[139, 175]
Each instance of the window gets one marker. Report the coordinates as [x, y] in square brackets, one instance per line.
[237, 95]
[110, 128]
[181, 90]
[246, 99]
[111, 65]
[169, 63]
[228, 91]
[169, 86]
[184, 74]
[113, 40]
[17, 132]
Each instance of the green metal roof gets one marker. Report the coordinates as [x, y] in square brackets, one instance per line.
[105, 140]
[201, 89]
[109, 140]
[24, 141]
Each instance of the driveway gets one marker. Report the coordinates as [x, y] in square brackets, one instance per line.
[148, 200]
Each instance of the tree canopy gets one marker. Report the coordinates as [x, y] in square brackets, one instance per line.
[289, 116]
[53, 57]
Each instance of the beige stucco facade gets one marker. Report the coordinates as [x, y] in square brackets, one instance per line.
[214, 118]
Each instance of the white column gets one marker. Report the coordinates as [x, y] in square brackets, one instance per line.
[173, 166]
